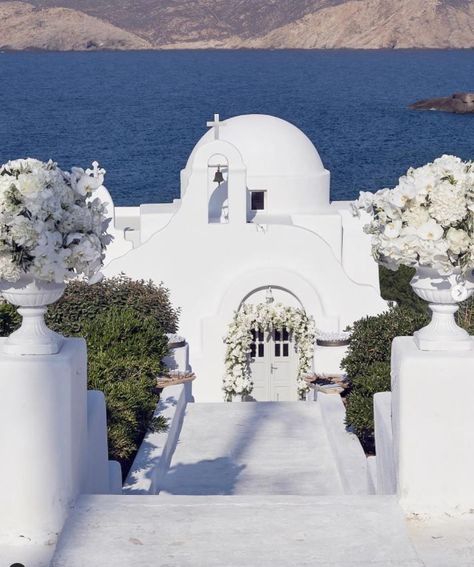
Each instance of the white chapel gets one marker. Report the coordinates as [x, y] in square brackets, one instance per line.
[254, 223]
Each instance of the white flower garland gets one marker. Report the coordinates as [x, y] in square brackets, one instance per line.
[265, 317]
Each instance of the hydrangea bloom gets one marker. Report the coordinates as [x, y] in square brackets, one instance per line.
[50, 226]
[265, 317]
[427, 219]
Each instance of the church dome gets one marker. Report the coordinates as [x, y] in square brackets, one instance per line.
[284, 173]
[269, 146]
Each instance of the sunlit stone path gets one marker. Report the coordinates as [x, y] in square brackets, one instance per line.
[253, 448]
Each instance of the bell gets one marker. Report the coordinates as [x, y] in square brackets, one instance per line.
[218, 177]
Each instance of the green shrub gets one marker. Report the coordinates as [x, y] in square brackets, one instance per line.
[372, 338]
[395, 286]
[123, 332]
[129, 386]
[465, 315]
[367, 364]
[9, 319]
[81, 303]
[125, 353]
[359, 404]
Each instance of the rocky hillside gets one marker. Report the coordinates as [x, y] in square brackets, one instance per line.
[374, 24]
[308, 24]
[23, 26]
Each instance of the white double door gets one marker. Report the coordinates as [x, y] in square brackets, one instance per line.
[274, 366]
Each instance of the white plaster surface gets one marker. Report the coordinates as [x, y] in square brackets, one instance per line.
[386, 479]
[43, 441]
[327, 360]
[234, 531]
[444, 541]
[29, 555]
[372, 475]
[346, 449]
[433, 428]
[153, 458]
[115, 478]
[253, 448]
[97, 479]
[178, 359]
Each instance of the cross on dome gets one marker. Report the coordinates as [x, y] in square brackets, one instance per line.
[216, 123]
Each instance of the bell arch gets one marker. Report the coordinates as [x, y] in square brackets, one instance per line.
[218, 189]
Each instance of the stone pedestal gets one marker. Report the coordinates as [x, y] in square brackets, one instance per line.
[433, 428]
[43, 441]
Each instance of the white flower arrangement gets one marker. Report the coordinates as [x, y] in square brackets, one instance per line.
[50, 227]
[265, 317]
[426, 220]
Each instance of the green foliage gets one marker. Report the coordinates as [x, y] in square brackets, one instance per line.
[81, 303]
[129, 386]
[368, 364]
[360, 407]
[372, 338]
[125, 353]
[395, 286]
[465, 315]
[9, 319]
[124, 332]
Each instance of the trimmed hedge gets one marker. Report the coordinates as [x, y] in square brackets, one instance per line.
[367, 364]
[125, 352]
[359, 410]
[124, 332]
[82, 302]
[372, 338]
[129, 386]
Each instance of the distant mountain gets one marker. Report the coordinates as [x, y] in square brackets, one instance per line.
[23, 26]
[164, 24]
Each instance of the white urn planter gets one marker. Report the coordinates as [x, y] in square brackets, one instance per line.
[443, 293]
[32, 298]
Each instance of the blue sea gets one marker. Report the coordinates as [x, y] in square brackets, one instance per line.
[140, 113]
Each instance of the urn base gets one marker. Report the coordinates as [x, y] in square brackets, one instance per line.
[32, 298]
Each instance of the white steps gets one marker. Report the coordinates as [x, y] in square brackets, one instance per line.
[257, 448]
[236, 531]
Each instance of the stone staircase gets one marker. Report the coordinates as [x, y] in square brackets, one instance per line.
[258, 485]
[236, 531]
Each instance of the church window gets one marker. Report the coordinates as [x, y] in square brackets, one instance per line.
[282, 343]
[257, 200]
[257, 346]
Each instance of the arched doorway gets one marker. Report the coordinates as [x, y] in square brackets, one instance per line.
[270, 345]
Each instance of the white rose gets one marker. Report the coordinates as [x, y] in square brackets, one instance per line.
[393, 229]
[9, 271]
[29, 185]
[401, 195]
[415, 216]
[448, 204]
[23, 232]
[434, 253]
[430, 230]
[458, 240]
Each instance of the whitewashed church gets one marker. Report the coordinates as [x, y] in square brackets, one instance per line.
[254, 223]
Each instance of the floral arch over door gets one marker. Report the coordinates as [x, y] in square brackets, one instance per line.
[265, 317]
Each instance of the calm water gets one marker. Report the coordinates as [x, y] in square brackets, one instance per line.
[140, 114]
